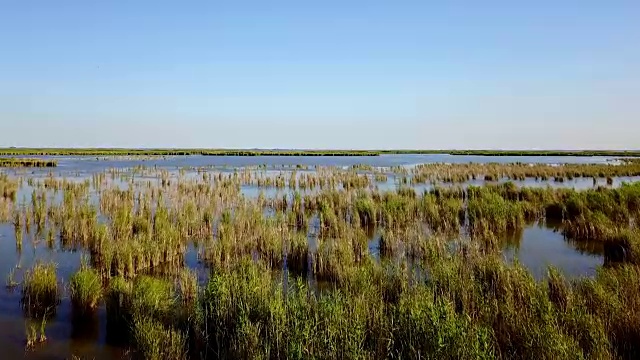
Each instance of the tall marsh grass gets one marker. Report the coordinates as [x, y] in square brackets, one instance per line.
[85, 288]
[40, 291]
[343, 270]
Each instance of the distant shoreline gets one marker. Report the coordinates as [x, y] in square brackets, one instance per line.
[268, 152]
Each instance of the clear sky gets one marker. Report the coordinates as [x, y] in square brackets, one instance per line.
[320, 74]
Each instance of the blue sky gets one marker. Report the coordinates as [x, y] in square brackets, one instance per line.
[320, 74]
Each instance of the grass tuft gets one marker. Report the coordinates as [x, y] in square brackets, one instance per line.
[40, 292]
[85, 288]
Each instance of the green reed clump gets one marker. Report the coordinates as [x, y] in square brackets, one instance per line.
[332, 259]
[342, 331]
[143, 312]
[154, 341]
[629, 195]
[298, 253]
[8, 187]
[442, 214]
[249, 317]
[589, 226]
[431, 328]
[33, 327]
[599, 214]
[238, 303]
[525, 324]
[187, 285]
[297, 219]
[622, 246]
[490, 213]
[588, 330]
[329, 219]
[365, 208]
[398, 209]
[598, 201]
[612, 299]
[40, 288]
[385, 281]
[85, 287]
[152, 297]
[390, 243]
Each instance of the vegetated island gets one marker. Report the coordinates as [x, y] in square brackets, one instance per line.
[300, 152]
[178, 152]
[22, 162]
[615, 153]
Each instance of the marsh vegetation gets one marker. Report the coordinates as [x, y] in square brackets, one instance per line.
[23, 162]
[326, 262]
[284, 152]
[180, 152]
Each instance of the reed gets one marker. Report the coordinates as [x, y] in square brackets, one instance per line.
[187, 284]
[152, 297]
[489, 213]
[85, 288]
[291, 275]
[22, 162]
[11, 282]
[35, 332]
[298, 253]
[155, 342]
[492, 172]
[8, 187]
[40, 293]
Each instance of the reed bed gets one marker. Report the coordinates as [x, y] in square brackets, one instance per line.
[23, 162]
[459, 173]
[8, 187]
[221, 152]
[179, 152]
[585, 153]
[471, 307]
[345, 271]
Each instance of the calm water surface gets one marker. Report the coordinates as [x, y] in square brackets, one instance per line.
[87, 164]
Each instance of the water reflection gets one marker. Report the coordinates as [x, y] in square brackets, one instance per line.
[85, 326]
[542, 245]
